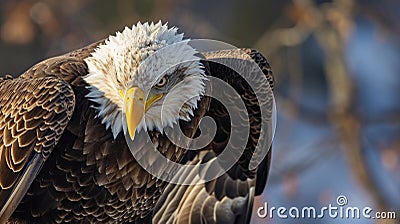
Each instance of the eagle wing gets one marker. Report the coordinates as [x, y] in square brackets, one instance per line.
[35, 109]
[33, 115]
[228, 198]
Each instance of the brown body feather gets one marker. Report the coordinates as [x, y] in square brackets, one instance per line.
[58, 163]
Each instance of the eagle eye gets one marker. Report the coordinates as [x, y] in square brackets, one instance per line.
[162, 82]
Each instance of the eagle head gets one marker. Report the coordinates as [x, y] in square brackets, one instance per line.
[147, 76]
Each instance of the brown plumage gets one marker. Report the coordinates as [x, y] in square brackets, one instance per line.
[59, 163]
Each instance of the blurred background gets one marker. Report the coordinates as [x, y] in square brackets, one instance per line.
[337, 70]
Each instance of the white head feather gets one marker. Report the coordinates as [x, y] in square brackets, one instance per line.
[141, 56]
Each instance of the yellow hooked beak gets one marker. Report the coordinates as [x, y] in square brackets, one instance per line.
[136, 107]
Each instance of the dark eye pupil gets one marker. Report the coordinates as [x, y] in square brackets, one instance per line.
[162, 82]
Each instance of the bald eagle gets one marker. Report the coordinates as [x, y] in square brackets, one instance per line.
[65, 123]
